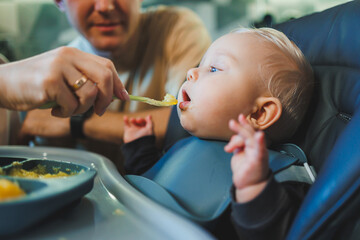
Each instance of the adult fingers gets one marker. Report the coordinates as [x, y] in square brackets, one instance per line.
[66, 102]
[119, 89]
[103, 77]
[64, 63]
[86, 96]
[102, 71]
[57, 89]
[82, 87]
[99, 70]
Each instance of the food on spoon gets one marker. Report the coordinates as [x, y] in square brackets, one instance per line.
[10, 190]
[168, 100]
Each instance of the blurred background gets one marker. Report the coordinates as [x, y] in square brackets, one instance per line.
[29, 27]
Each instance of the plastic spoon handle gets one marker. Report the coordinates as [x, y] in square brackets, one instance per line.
[169, 100]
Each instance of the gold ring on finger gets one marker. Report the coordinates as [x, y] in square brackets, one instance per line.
[79, 83]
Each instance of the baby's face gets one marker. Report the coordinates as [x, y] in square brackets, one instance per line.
[226, 83]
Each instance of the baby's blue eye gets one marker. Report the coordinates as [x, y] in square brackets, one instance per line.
[213, 69]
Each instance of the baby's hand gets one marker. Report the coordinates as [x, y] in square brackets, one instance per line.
[249, 163]
[135, 128]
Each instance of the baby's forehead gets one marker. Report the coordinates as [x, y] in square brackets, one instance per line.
[245, 41]
[232, 39]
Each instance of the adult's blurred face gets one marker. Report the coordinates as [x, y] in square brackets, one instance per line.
[106, 24]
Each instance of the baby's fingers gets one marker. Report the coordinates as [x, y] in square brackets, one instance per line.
[149, 125]
[242, 128]
[236, 144]
[126, 121]
[260, 145]
[148, 121]
[140, 122]
[245, 124]
[234, 125]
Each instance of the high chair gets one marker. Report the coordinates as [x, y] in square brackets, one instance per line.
[330, 135]
[194, 177]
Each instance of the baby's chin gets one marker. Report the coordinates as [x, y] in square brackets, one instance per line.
[185, 124]
[212, 137]
[207, 134]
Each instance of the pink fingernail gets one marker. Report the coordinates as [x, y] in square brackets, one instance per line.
[125, 94]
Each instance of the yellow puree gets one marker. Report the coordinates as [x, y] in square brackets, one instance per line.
[10, 190]
[37, 172]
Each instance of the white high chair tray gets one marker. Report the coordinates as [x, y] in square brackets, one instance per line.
[113, 209]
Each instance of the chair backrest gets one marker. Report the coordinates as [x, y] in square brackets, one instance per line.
[330, 135]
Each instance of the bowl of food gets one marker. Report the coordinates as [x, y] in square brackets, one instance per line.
[32, 189]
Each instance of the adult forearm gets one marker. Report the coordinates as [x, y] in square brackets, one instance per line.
[110, 126]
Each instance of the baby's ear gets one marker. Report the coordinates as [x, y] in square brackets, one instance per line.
[267, 111]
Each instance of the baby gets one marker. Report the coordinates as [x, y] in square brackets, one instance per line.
[257, 76]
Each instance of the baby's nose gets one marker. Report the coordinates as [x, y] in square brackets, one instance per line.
[192, 74]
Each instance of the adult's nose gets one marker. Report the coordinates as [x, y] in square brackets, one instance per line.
[104, 5]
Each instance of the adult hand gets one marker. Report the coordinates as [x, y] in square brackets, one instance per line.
[249, 163]
[32, 82]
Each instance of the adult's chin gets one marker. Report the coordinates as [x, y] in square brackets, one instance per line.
[107, 43]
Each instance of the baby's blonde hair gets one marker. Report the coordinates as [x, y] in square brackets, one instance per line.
[288, 76]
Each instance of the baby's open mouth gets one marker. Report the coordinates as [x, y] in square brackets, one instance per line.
[185, 101]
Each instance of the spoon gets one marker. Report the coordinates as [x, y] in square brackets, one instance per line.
[168, 100]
